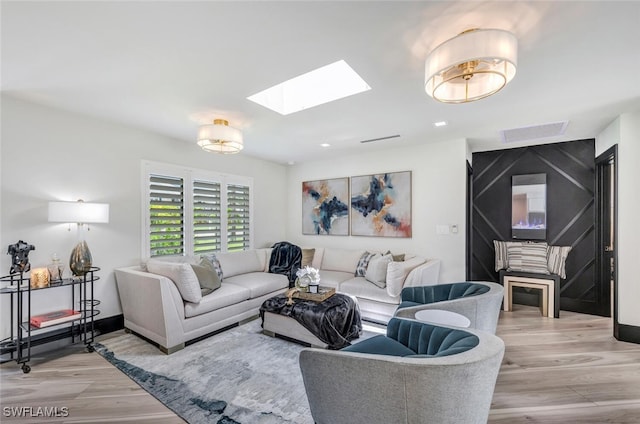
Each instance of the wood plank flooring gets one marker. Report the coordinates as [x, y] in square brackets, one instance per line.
[567, 370]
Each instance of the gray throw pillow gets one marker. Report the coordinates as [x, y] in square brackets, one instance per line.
[211, 257]
[207, 276]
[363, 262]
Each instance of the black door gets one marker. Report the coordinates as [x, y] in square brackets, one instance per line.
[606, 192]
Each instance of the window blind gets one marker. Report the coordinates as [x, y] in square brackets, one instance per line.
[166, 215]
[206, 217]
[238, 218]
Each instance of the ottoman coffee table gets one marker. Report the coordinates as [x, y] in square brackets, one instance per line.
[331, 323]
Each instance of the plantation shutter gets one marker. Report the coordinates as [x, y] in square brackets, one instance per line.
[206, 217]
[237, 217]
[166, 215]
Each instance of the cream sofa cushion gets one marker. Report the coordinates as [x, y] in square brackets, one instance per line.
[259, 283]
[235, 263]
[333, 278]
[362, 289]
[345, 260]
[226, 295]
[264, 256]
[182, 275]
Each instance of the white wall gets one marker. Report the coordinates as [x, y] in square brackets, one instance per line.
[49, 154]
[625, 131]
[438, 186]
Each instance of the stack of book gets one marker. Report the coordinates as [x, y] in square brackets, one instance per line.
[53, 318]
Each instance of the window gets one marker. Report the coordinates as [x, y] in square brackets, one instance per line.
[189, 211]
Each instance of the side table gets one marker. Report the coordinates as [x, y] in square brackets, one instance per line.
[442, 317]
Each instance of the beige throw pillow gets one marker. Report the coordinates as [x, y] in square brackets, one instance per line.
[377, 270]
[182, 275]
[307, 257]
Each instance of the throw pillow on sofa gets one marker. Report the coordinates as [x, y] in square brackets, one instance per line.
[207, 276]
[395, 278]
[307, 257]
[363, 263]
[396, 258]
[182, 275]
[377, 270]
[211, 257]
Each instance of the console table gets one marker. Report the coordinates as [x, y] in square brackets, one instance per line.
[548, 284]
[22, 332]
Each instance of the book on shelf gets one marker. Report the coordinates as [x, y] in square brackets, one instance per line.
[53, 318]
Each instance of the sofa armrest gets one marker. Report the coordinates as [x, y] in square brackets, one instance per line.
[151, 305]
[427, 274]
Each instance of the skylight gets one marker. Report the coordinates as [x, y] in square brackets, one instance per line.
[326, 84]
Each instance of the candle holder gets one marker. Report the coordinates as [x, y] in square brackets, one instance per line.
[39, 278]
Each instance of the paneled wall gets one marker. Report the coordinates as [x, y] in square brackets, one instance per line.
[570, 170]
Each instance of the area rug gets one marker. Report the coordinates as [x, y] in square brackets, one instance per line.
[237, 376]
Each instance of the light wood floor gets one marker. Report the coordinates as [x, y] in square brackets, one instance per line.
[567, 370]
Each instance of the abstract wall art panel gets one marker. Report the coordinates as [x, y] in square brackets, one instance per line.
[381, 205]
[325, 207]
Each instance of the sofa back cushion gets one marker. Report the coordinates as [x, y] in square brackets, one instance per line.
[345, 260]
[428, 340]
[421, 295]
[235, 263]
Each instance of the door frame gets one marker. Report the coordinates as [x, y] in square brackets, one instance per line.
[602, 161]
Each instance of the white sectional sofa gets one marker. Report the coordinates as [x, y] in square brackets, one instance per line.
[154, 307]
[337, 269]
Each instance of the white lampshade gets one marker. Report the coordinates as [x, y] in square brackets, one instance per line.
[219, 137]
[79, 212]
[471, 66]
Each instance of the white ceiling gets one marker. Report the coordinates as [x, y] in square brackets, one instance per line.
[170, 66]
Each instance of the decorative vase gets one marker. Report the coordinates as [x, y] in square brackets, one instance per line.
[56, 268]
[80, 260]
[302, 283]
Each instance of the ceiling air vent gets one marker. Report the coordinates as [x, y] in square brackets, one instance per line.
[534, 132]
[380, 138]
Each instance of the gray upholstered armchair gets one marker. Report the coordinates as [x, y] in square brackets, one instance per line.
[478, 301]
[417, 373]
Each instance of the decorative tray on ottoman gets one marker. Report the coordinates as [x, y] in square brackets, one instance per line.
[323, 294]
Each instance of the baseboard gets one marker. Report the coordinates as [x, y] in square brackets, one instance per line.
[628, 333]
[109, 324]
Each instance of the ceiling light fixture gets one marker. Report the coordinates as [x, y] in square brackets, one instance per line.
[325, 145]
[473, 65]
[440, 124]
[219, 137]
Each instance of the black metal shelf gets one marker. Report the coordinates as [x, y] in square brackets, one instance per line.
[19, 344]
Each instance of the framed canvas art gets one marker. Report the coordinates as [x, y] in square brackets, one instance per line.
[381, 205]
[325, 207]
